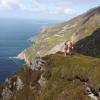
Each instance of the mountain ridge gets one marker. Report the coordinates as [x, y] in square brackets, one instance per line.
[83, 25]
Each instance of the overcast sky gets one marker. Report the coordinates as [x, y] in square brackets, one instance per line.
[45, 9]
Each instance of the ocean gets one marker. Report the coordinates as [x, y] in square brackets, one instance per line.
[14, 38]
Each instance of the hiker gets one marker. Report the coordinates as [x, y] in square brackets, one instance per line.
[65, 48]
[70, 47]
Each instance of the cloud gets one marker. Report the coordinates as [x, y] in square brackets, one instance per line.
[69, 11]
[38, 6]
[55, 8]
[9, 4]
[66, 7]
[95, 0]
[42, 8]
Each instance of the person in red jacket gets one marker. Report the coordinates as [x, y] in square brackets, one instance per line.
[70, 47]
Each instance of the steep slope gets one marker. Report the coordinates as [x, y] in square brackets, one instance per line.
[54, 36]
[56, 78]
[90, 45]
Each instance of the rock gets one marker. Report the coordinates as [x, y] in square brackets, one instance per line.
[8, 83]
[42, 81]
[93, 97]
[19, 83]
[22, 56]
[37, 64]
[6, 94]
[92, 93]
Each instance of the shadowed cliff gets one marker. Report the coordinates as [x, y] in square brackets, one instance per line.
[90, 45]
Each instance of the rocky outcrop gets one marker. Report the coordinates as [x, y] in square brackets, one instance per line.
[42, 81]
[6, 94]
[19, 84]
[93, 93]
[11, 84]
[22, 56]
[37, 64]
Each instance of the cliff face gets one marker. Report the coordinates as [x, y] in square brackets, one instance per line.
[54, 77]
[90, 45]
[53, 36]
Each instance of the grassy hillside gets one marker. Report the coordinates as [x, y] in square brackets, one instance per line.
[84, 25]
[65, 78]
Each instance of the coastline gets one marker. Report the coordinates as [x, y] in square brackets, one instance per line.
[22, 56]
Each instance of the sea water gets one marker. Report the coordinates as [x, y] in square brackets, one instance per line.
[14, 38]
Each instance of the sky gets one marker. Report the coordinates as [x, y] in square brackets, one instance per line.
[45, 9]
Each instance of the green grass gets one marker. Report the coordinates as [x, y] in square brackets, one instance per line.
[58, 69]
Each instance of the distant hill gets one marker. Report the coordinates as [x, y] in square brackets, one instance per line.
[52, 38]
[84, 24]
